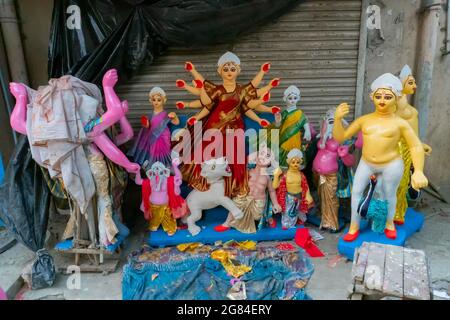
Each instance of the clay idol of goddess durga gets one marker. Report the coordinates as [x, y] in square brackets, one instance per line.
[223, 107]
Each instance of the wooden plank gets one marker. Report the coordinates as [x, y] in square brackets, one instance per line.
[374, 273]
[393, 271]
[87, 251]
[360, 262]
[416, 280]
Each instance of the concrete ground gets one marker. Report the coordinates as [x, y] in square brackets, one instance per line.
[330, 280]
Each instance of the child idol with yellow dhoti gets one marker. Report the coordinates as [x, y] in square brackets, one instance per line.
[382, 131]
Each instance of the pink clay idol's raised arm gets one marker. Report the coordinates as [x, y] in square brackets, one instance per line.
[18, 117]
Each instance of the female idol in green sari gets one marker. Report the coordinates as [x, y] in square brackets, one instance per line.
[293, 125]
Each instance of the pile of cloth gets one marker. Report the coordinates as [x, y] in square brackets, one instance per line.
[224, 271]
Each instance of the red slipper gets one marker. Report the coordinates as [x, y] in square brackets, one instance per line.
[399, 223]
[391, 234]
[221, 228]
[349, 237]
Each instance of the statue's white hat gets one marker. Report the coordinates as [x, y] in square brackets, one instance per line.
[294, 153]
[405, 73]
[291, 90]
[388, 81]
[158, 91]
[229, 57]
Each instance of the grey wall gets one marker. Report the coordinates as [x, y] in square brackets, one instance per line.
[36, 17]
[400, 23]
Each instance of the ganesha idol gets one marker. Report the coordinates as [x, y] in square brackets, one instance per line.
[161, 200]
[66, 125]
[330, 158]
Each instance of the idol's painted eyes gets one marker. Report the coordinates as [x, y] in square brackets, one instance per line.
[226, 69]
[378, 96]
[388, 97]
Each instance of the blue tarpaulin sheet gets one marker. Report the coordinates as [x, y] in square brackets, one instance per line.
[168, 274]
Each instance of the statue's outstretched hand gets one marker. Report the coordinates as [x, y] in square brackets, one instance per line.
[17, 90]
[265, 67]
[307, 136]
[341, 111]
[264, 123]
[278, 118]
[134, 168]
[189, 66]
[125, 107]
[276, 208]
[110, 78]
[418, 180]
[343, 151]
[278, 172]
[191, 121]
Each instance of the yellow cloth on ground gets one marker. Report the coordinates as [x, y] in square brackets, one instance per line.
[188, 247]
[402, 201]
[224, 257]
[245, 245]
[161, 215]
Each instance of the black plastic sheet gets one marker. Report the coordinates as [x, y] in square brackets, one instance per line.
[24, 208]
[127, 34]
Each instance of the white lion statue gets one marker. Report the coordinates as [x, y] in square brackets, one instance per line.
[213, 170]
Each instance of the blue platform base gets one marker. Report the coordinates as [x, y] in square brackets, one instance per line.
[212, 218]
[413, 223]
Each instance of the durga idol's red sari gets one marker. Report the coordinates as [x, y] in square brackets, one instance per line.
[226, 112]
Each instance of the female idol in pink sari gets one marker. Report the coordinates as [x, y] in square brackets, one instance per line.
[153, 142]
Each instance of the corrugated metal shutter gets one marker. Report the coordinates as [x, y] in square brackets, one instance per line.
[314, 47]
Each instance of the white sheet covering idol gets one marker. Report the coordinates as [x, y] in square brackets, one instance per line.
[55, 117]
